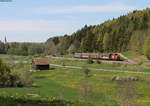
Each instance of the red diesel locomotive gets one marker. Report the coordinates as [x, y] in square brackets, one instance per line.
[108, 56]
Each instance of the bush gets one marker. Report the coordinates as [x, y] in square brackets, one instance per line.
[90, 61]
[5, 74]
[86, 71]
[9, 78]
[98, 62]
[21, 78]
[23, 100]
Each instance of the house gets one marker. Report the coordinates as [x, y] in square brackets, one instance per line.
[40, 64]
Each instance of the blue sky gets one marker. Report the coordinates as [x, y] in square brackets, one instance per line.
[37, 20]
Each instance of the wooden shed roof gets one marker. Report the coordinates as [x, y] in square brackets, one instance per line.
[40, 61]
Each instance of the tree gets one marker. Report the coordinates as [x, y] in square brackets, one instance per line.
[56, 40]
[137, 41]
[4, 74]
[2, 47]
[147, 47]
[99, 43]
[35, 49]
[87, 43]
[105, 42]
[74, 46]
[50, 48]
[86, 72]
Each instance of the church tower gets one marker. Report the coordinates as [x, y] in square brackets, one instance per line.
[5, 40]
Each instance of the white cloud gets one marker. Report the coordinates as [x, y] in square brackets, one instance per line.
[86, 9]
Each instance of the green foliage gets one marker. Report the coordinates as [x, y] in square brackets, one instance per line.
[55, 83]
[9, 78]
[25, 49]
[22, 78]
[90, 61]
[98, 62]
[5, 74]
[127, 32]
[35, 49]
[106, 41]
[118, 35]
[25, 101]
[86, 71]
[2, 48]
[147, 47]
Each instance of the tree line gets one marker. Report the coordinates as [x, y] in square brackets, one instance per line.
[127, 32]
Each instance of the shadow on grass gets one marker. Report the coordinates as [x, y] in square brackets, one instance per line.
[7, 101]
[52, 68]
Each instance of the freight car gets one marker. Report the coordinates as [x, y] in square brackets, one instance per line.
[106, 56]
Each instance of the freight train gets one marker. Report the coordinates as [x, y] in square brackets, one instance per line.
[104, 56]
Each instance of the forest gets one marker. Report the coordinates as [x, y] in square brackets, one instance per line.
[130, 32]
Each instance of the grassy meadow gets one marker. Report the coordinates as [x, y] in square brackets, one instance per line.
[114, 66]
[71, 84]
[135, 56]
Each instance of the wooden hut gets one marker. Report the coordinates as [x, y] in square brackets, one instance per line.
[40, 64]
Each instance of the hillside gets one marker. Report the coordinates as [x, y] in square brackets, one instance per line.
[128, 32]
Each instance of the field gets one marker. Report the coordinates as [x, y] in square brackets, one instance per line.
[68, 84]
[114, 66]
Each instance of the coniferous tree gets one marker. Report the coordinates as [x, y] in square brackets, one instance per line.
[147, 47]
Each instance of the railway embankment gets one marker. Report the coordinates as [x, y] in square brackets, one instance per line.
[126, 60]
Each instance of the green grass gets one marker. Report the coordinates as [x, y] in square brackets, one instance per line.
[36, 101]
[64, 83]
[135, 56]
[69, 56]
[9, 58]
[114, 66]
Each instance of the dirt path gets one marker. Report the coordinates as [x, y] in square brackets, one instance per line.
[104, 70]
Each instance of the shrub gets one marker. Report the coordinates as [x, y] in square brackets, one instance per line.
[98, 62]
[90, 61]
[9, 78]
[5, 74]
[23, 100]
[21, 78]
[86, 71]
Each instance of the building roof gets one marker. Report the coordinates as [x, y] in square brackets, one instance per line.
[40, 61]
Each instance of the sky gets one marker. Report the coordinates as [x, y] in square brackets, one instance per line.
[38, 20]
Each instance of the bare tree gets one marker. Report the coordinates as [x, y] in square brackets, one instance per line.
[86, 72]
